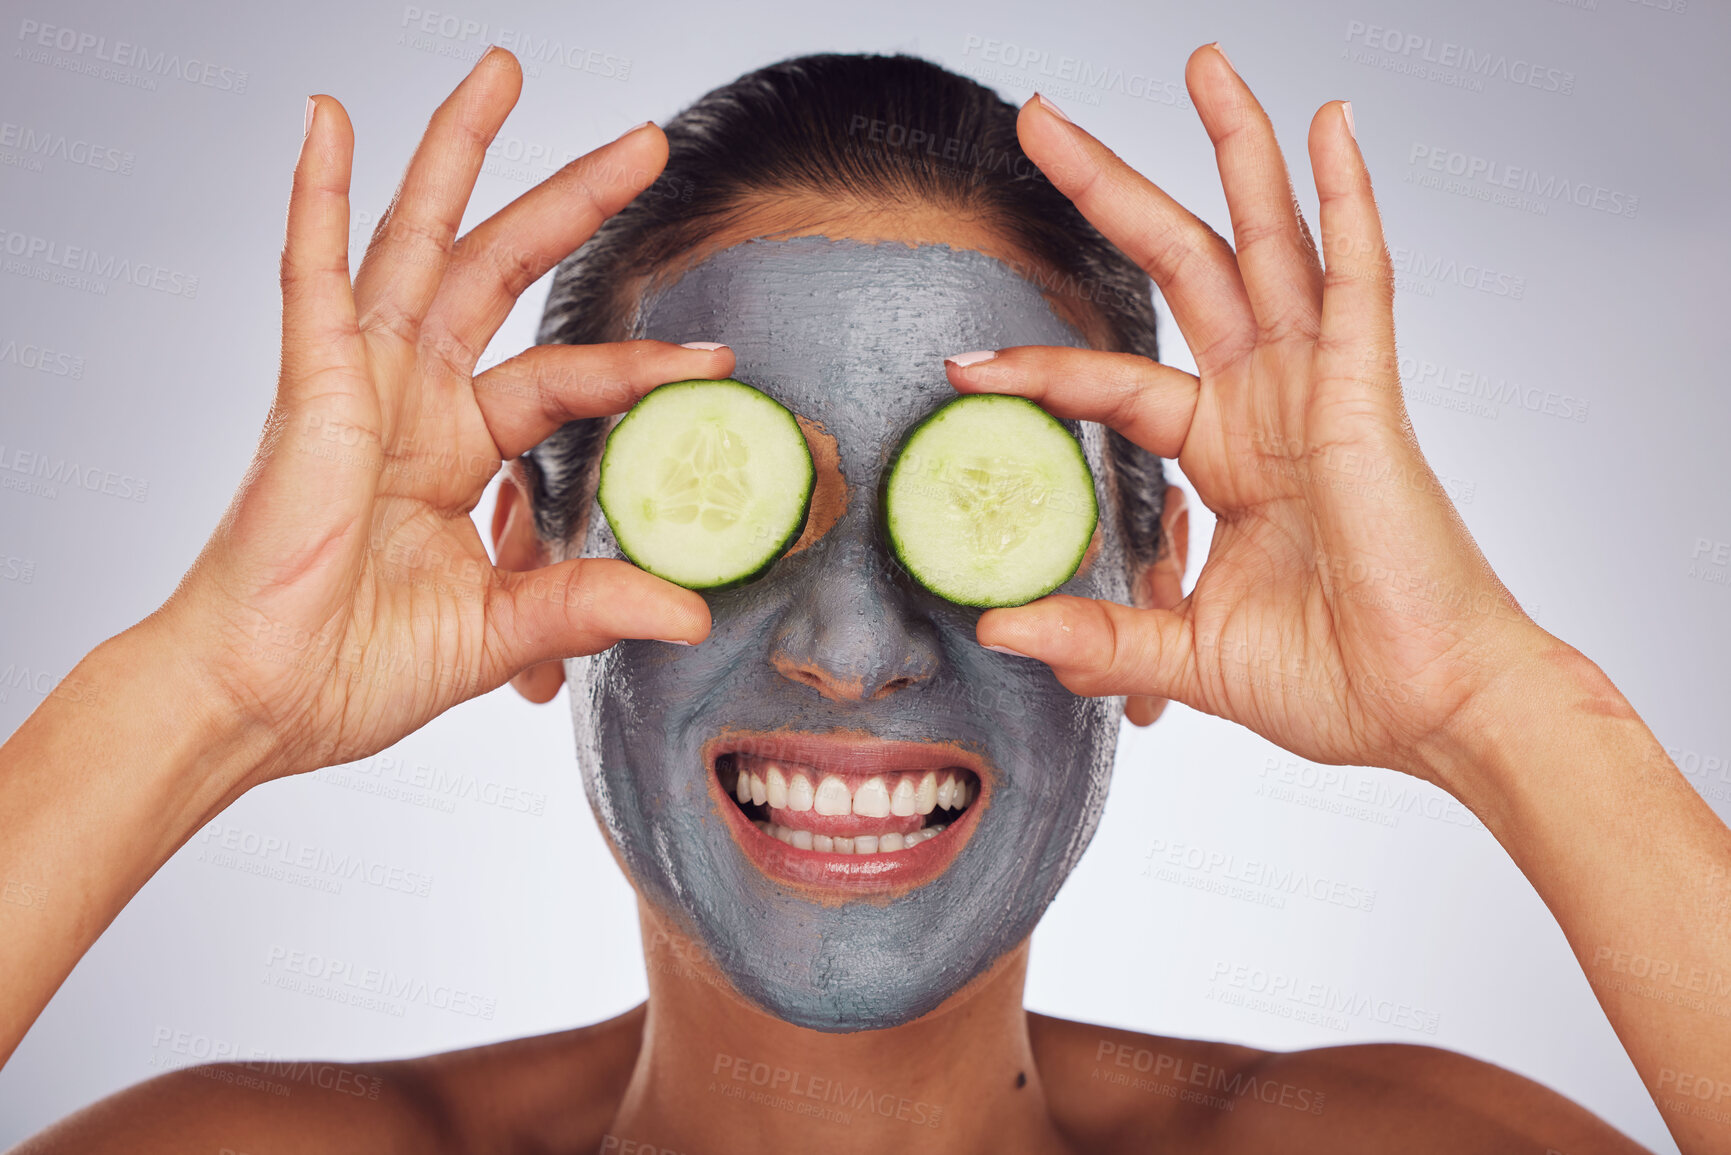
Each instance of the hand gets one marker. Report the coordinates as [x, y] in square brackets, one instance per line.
[346, 598]
[1344, 613]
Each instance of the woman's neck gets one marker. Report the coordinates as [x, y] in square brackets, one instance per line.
[715, 1074]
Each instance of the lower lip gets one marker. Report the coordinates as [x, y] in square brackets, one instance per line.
[885, 872]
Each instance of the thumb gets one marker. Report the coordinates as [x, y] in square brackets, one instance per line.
[1097, 648]
[582, 606]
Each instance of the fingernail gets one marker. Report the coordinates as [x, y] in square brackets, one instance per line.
[491, 48]
[1223, 56]
[1003, 650]
[1346, 111]
[706, 346]
[676, 641]
[963, 360]
[1052, 108]
[312, 107]
[634, 128]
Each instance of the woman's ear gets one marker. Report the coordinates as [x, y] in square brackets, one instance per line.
[1160, 585]
[517, 547]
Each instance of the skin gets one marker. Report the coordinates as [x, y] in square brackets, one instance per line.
[837, 639]
[1297, 391]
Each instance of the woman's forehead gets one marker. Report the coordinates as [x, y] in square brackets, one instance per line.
[816, 321]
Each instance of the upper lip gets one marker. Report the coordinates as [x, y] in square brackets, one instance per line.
[850, 754]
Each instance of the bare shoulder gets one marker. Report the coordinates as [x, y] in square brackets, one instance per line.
[509, 1096]
[1115, 1090]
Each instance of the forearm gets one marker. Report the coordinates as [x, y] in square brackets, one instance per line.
[1635, 866]
[121, 764]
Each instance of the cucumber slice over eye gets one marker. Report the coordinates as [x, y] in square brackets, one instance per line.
[990, 502]
[706, 483]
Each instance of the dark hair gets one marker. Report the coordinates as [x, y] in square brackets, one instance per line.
[871, 130]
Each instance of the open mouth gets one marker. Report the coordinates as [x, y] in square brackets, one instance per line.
[843, 813]
[820, 810]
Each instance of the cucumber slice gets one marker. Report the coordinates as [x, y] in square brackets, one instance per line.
[990, 502]
[706, 483]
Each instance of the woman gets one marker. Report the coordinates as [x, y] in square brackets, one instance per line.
[1343, 613]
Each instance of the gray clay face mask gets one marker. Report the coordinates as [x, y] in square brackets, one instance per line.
[852, 336]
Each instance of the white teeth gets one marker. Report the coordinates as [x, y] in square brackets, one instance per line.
[767, 783]
[775, 787]
[833, 798]
[926, 796]
[872, 799]
[860, 844]
[902, 801]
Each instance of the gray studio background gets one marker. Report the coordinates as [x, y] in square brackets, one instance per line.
[1564, 366]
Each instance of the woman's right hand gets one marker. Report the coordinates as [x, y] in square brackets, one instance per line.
[346, 598]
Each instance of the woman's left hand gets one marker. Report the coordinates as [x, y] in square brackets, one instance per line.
[1344, 612]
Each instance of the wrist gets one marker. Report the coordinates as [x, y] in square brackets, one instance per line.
[151, 679]
[1543, 697]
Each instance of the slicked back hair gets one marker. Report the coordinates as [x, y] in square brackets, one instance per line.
[867, 132]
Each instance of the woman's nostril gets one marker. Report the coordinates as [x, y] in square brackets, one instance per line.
[893, 685]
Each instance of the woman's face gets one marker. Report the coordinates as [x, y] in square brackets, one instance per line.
[836, 668]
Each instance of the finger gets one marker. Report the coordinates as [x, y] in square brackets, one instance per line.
[1192, 264]
[1148, 402]
[1276, 255]
[514, 248]
[1356, 351]
[524, 400]
[1097, 647]
[411, 246]
[581, 607]
[318, 305]
[318, 463]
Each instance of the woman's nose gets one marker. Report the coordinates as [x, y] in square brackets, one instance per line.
[850, 633]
